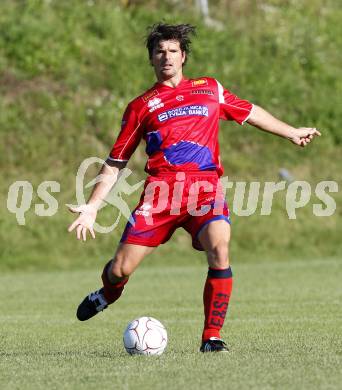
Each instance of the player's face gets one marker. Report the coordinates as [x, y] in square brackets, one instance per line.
[167, 60]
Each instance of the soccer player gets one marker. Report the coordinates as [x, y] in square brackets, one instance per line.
[178, 118]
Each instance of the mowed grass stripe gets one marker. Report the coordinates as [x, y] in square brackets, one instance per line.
[284, 328]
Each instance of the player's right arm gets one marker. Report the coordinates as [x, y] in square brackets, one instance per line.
[125, 145]
[108, 176]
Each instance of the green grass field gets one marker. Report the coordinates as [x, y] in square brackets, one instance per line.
[284, 329]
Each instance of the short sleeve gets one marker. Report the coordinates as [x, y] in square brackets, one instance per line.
[232, 107]
[128, 138]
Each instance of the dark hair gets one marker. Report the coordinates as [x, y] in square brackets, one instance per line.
[164, 32]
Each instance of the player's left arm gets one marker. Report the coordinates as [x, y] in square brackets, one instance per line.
[263, 120]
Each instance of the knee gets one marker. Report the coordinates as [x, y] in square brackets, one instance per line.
[218, 256]
[120, 267]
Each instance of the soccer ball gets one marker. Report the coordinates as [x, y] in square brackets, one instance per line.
[145, 336]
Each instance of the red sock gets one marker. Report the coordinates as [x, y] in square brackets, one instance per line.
[112, 292]
[216, 294]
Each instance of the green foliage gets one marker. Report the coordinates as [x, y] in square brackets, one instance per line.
[67, 70]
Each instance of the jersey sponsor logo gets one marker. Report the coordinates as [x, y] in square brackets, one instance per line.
[202, 92]
[150, 95]
[154, 104]
[180, 98]
[199, 82]
[193, 110]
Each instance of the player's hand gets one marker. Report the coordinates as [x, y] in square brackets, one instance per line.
[85, 220]
[304, 135]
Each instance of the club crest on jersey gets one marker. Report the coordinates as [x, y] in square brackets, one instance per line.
[199, 82]
[154, 104]
[193, 110]
[150, 95]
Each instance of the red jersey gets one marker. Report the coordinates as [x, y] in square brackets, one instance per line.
[180, 125]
